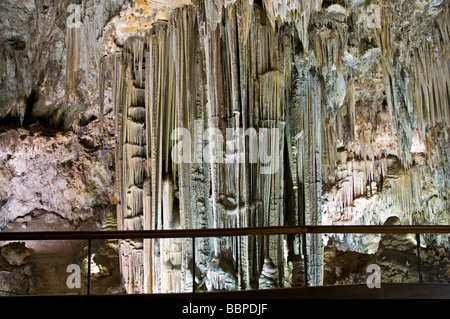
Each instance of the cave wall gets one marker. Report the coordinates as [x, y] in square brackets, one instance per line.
[349, 100]
[57, 159]
[350, 103]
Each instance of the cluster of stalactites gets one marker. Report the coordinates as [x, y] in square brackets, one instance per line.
[329, 41]
[364, 179]
[176, 68]
[417, 80]
[187, 71]
[84, 45]
[352, 179]
[293, 11]
[298, 12]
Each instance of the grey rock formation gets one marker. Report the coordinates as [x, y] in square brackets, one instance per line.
[15, 254]
[17, 270]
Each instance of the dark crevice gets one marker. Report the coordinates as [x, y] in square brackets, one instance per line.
[31, 100]
[45, 121]
[9, 122]
[327, 3]
[258, 3]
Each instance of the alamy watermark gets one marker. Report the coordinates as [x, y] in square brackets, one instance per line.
[374, 16]
[374, 279]
[74, 279]
[263, 146]
[74, 19]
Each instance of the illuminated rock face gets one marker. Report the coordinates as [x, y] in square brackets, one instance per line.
[225, 114]
[349, 109]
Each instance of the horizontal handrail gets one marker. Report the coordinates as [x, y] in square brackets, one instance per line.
[224, 232]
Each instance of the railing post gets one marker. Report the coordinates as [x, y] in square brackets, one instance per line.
[419, 260]
[89, 268]
[193, 264]
[305, 258]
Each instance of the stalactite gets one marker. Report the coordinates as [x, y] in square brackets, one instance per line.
[91, 44]
[297, 11]
[73, 60]
[351, 109]
[153, 97]
[136, 49]
[134, 132]
[329, 41]
[213, 11]
[170, 248]
[407, 189]
[135, 201]
[131, 265]
[101, 88]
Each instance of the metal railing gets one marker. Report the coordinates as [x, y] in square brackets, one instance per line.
[227, 232]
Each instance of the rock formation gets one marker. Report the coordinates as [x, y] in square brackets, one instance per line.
[17, 274]
[222, 114]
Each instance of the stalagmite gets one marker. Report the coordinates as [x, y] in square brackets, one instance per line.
[170, 248]
[269, 276]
